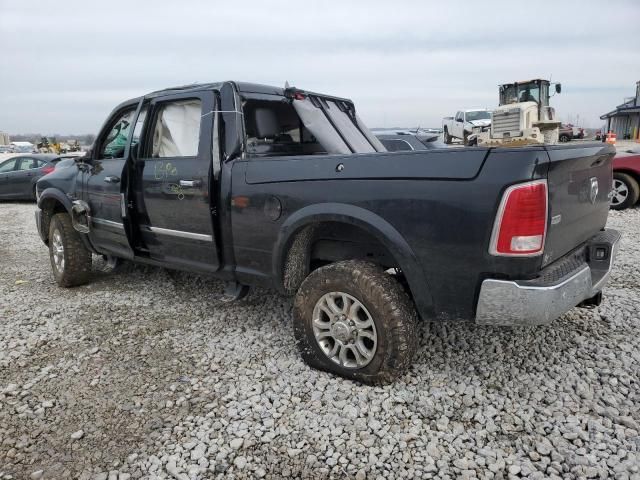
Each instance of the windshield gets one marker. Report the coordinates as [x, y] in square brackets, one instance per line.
[478, 115]
[522, 92]
[508, 94]
[529, 92]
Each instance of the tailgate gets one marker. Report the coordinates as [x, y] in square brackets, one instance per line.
[579, 179]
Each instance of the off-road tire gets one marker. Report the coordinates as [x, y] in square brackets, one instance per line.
[465, 139]
[391, 309]
[77, 259]
[447, 138]
[632, 187]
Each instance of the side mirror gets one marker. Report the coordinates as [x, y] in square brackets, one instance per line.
[558, 87]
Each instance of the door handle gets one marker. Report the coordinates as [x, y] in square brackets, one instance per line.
[112, 179]
[190, 183]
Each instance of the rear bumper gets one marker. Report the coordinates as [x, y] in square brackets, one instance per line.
[579, 276]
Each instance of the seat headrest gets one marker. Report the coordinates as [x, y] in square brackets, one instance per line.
[267, 125]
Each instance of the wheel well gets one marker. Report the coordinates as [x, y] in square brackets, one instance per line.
[50, 207]
[322, 243]
[631, 173]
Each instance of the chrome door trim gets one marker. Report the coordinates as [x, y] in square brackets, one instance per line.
[178, 233]
[108, 223]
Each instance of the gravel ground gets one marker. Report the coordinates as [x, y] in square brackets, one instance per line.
[146, 373]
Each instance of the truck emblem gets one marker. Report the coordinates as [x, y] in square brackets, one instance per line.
[593, 193]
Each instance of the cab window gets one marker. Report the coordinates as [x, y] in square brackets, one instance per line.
[396, 145]
[176, 129]
[274, 129]
[114, 143]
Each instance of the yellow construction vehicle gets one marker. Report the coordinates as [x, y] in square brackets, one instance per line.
[49, 146]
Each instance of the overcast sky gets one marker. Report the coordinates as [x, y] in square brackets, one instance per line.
[66, 64]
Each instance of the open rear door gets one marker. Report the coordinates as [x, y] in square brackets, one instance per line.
[334, 123]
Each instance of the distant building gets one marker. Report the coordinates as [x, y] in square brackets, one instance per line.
[4, 138]
[624, 121]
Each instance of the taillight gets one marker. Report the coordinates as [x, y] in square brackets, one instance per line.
[47, 169]
[521, 224]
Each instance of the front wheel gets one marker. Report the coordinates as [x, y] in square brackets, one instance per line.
[70, 260]
[353, 319]
[625, 191]
[564, 138]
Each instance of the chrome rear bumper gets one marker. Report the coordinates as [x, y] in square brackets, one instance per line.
[539, 301]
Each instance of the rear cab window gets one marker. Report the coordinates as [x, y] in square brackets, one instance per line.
[396, 145]
[304, 123]
[273, 128]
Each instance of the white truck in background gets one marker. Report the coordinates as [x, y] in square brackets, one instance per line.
[465, 123]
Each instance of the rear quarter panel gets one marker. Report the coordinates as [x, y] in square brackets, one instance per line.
[441, 202]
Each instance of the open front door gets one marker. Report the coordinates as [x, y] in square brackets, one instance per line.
[174, 203]
[104, 181]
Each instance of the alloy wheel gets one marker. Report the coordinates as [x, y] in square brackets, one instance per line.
[620, 192]
[58, 251]
[344, 330]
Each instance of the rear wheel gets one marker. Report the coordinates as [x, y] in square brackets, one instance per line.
[70, 260]
[353, 319]
[625, 192]
[564, 138]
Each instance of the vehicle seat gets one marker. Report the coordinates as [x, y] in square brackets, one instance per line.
[267, 125]
[268, 140]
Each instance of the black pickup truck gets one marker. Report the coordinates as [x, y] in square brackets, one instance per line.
[287, 189]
